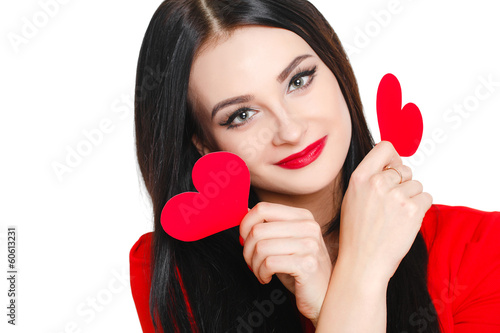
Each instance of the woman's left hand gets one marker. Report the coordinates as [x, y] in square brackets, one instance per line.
[288, 242]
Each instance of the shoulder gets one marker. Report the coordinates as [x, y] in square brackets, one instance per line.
[140, 281]
[453, 225]
[141, 250]
[464, 265]
[140, 270]
[140, 258]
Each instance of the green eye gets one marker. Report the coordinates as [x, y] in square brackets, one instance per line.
[243, 116]
[239, 117]
[302, 80]
[298, 82]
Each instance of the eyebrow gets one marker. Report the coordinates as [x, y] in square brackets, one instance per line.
[246, 98]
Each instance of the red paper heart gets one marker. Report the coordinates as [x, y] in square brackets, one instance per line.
[223, 182]
[402, 127]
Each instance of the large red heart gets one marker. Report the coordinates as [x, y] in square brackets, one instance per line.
[402, 127]
[223, 182]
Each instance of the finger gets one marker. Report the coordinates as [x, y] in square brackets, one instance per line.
[282, 229]
[267, 212]
[274, 231]
[406, 173]
[410, 188]
[300, 267]
[381, 155]
[424, 202]
[283, 246]
[287, 264]
[389, 179]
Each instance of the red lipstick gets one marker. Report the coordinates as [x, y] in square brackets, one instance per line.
[304, 157]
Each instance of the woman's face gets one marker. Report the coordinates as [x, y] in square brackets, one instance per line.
[265, 95]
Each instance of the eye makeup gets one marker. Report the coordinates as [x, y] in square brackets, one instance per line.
[304, 73]
[311, 73]
[230, 119]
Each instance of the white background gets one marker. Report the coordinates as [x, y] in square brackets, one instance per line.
[78, 70]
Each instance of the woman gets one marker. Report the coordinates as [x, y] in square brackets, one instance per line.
[332, 238]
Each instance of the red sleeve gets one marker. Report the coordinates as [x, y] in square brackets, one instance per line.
[464, 268]
[140, 282]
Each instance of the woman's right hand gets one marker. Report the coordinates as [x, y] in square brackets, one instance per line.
[288, 242]
[380, 218]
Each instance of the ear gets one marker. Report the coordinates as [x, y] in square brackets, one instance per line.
[202, 149]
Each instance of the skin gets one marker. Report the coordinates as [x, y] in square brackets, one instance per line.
[343, 274]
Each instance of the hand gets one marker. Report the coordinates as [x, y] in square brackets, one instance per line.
[380, 218]
[287, 241]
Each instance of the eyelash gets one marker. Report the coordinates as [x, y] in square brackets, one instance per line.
[304, 73]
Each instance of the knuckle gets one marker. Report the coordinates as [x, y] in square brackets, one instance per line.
[398, 196]
[419, 186]
[409, 171]
[261, 207]
[357, 177]
[257, 231]
[257, 249]
[310, 244]
[311, 227]
[412, 209]
[267, 264]
[306, 212]
[309, 264]
[260, 248]
[385, 145]
[377, 181]
[429, 197]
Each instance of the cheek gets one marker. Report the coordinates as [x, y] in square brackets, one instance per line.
[249, 145]
[334, 107]
[344, 115]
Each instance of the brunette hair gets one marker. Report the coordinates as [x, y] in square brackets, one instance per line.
[222, 292]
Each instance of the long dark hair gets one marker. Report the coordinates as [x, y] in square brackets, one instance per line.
[223, 294]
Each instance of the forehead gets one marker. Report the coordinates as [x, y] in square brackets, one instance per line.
[240, 63]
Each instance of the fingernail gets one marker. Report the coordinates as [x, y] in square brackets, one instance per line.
[250, 268]
[241, 241]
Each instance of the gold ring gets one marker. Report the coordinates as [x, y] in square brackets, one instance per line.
[399, 172]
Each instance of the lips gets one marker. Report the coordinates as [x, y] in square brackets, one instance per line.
[304, 157]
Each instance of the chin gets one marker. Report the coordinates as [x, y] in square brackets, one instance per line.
[297, 183]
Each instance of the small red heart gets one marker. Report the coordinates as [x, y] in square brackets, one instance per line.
[402, 127]
[223, 182]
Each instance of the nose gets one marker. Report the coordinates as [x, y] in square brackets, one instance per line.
[289, 129]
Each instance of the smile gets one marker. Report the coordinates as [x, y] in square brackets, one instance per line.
[304, 157]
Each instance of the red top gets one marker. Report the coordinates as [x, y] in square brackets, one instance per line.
[463, 271]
